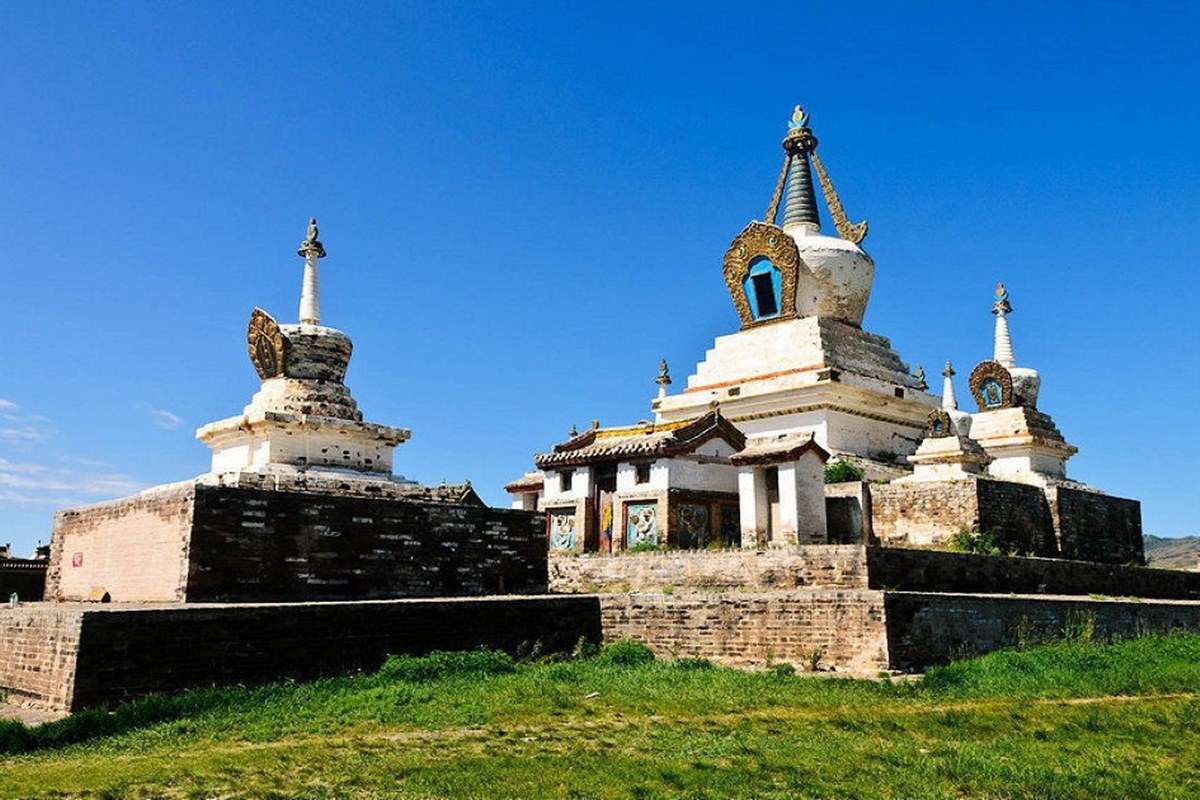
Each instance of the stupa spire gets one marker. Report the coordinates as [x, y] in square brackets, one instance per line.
[664, 378]
[310, 250]
[800, 208]
[949, 401]
[1003, 351]
[800, 214]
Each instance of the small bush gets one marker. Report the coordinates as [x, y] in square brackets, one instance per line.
[626, 653]
[842, 472]
[981, 543]
[438, 665]
[784, 670]
[643, 547]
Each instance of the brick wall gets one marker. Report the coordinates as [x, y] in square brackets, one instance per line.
[253, 545]
[221, 543]
[922, 514]
[38, 646]
[135, 548]
[755, 629]
[931, 571]
[1097, 527]
[72, 656]
[927, 629]
[822, 566]
[853, 567]
[26, 577]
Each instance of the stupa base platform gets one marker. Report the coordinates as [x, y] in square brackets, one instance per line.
[70, 656]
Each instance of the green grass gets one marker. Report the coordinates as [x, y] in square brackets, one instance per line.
[1069, 720]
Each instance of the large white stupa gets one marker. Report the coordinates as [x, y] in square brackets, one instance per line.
[801, 361]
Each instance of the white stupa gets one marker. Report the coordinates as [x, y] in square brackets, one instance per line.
[801, 361]
[303, 419]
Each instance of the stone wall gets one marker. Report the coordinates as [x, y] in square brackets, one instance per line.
[855, 567]
[814, 566]
[928, 629]
[24, 576]
[72, 656]
[1097, 527]
[251, 546]
[222, 543]
[38, 647]
[844, 629]
[135, 548]
[931, 571]
[922, 514]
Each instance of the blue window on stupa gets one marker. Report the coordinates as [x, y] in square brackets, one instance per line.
[762, 289]
[992, 393]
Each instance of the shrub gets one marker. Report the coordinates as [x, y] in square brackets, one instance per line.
[784, 670]
[438, 665]
[842, 472]
[981, 543]
[643, 547]
[626, 653]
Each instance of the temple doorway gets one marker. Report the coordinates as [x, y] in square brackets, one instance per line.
[606, 487]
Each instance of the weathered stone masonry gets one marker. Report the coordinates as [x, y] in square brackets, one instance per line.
[195, 543]
[72, 656]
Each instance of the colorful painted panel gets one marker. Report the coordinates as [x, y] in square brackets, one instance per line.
[562, 529]
[731, 527]
[641, 524]
[693, 526]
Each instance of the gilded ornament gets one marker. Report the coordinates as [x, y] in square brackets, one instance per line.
[266, 345]
[939, 425]
[991, 386]
[761, 240]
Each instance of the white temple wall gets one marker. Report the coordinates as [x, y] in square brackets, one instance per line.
[659, 476]
[581, 483]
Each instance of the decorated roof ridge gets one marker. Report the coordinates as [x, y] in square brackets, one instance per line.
[643, 440]
[778, 448]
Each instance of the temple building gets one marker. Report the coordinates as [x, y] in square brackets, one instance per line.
[734, 460]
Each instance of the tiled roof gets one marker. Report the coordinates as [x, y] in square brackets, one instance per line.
[529, 482]
[647, 440]
[777, 449]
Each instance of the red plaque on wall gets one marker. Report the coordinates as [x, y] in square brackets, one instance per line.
[77, 560]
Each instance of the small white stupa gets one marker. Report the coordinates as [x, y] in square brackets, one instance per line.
[947, 452]
[303, 419]
[1023, 442]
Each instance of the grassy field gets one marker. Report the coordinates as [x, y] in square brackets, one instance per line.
[1067, 720]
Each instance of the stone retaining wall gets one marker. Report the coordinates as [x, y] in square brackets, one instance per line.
[687, 571]
[842, 629]
[200, 543]
[38, 647]
[71, 656]
[856, 567]
[933, 571]
[926, 629]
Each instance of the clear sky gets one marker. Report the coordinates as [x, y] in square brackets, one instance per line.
[525, 207]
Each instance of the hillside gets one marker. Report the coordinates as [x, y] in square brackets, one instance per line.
[1069, 720]
[1179, 553]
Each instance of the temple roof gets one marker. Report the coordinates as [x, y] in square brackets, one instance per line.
[529, 482]
[777, 449]
[647, 440]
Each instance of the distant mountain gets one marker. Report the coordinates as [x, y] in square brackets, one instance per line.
[1179, 553]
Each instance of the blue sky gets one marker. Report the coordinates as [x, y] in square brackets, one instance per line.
[525, 207]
